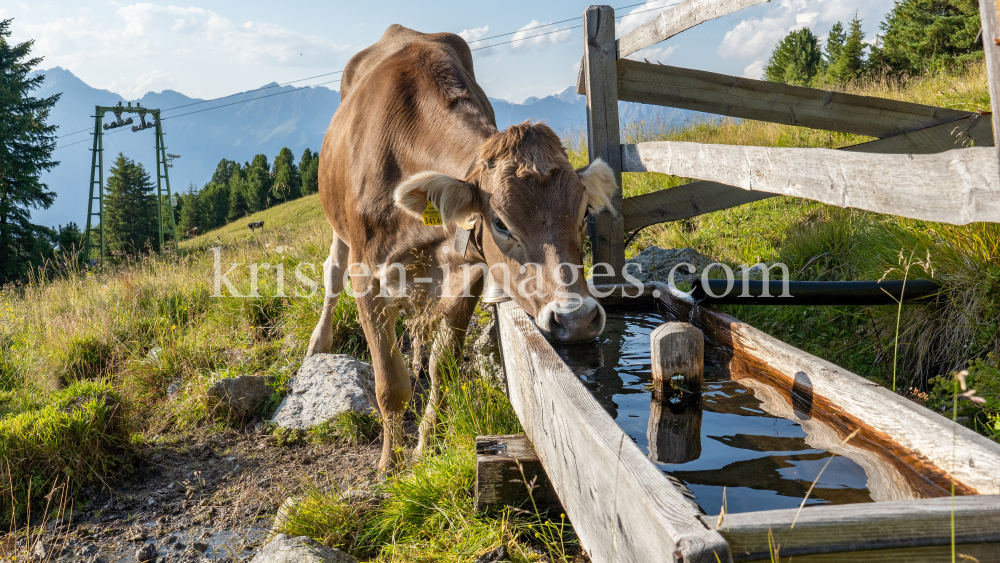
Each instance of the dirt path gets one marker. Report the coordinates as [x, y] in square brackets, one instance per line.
[210, 496]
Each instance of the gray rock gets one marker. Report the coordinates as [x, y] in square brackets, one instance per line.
[325, 385]
[285, 549]
[244, 393]
[145, 553]
[281, 518]
[657, 262]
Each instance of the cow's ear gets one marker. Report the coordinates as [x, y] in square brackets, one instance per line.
[456, 200]
[599, 182]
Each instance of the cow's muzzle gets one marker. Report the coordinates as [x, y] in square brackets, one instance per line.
[574, 319]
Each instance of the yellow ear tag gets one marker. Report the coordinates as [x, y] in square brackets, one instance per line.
[431, 215]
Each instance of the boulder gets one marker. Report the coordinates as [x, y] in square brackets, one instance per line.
[242, 394]
[657, 262]
[325, 385]
[285, 549]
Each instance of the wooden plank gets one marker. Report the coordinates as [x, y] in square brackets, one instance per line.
[677, 348]
[672, 21]
[697, 198]
[863, 527]
[989, 15]
[622, 507]
[603, 134]
[957, 186]
[937, 448]
[746, 98]
[506, 465]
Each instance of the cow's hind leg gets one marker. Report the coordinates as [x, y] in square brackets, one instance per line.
[333, 282]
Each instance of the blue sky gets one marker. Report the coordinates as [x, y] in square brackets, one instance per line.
[209, 48]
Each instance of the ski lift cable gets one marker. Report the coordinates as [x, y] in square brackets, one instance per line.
[548, 24]
[340, 71]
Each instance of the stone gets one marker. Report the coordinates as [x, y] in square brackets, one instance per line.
[243, 394]
[281, 518]
[657, 262]
[145, 553]
[325, 385]
[493, 556]
[199, 546]
[285, 549]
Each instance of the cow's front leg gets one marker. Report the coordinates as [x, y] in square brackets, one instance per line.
[446, 353]
[392, 378]
[333, 283]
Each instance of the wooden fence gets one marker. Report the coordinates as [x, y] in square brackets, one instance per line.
[928, 162]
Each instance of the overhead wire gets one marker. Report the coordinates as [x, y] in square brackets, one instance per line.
[342, 70]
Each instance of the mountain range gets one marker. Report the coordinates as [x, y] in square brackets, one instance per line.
[241, 126]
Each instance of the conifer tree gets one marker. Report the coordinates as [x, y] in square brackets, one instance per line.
[846, 53]
[309, 171]
[796, 59]
[192, 214]
[287, 185]
[257, 184]
[26, 145]
[237, 194]
[214, 198]
[920, 35]
[130, 212]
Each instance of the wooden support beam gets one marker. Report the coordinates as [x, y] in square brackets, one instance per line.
[677, 348]
[745, 98]
[697, 198]
[851, 528]
[603, 135]
[989, 15]
[939, 450]
[674, 20]
[622, 507]
[957, 186]
[507, 470]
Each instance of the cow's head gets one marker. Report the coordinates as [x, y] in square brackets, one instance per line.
[533, 208]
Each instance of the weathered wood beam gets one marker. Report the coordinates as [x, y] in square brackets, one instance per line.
[603, 134]
[936, 447]
[622, 507]
[957, 186]
[676, 19]
[989, 15]
[697, 198]
[863, 527]
[775, 102]
[508, 473]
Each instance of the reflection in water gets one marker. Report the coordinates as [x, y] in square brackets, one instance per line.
[725, 440]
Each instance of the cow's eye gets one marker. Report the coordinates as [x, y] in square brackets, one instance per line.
[500, 226]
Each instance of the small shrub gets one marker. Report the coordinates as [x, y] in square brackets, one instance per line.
[81, 437]
[984, 378]
[348, 427]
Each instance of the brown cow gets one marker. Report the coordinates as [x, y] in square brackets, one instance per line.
[413, 126]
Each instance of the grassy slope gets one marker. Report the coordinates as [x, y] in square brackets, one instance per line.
[282, 222]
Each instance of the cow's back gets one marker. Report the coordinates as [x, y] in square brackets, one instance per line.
[409, 103]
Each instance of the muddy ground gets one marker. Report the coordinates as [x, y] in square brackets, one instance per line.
[206, 497]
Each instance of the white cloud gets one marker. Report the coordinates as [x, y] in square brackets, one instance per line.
[536, 33]
[132, 88]
[142, 33]
[474, 34]
[754, 70]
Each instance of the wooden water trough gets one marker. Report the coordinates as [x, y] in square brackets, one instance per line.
[623, 508]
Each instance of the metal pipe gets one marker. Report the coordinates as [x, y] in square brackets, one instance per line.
[750, 292]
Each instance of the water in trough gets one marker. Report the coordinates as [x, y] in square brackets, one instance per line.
[730, 442]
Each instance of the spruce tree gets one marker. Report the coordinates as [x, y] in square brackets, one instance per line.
[237, 197]
[224, 171]
[846, 57]
[257, 184]
[130, 213]
[26, 145]
[920, 35]
[309, 171]
[192, 214]
[796, 59]
[287, 185]
[214, 200]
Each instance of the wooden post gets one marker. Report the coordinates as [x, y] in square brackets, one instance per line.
[674, 431]
[677, 348]
[600, 54]
[500, 461]
[988, 14]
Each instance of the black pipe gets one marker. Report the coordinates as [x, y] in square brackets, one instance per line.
[814, 292]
